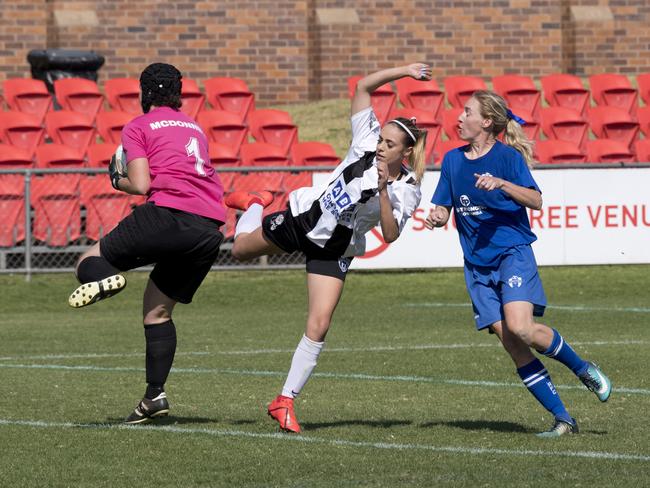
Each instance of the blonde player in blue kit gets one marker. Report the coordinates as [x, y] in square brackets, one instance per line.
[489, 185]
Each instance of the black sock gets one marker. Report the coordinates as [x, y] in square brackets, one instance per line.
[161, 346]
[95, 268]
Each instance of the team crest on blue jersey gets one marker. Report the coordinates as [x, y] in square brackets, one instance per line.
[466, 208]
[515, 280]
[277, 221]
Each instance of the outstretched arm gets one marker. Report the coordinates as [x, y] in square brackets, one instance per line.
[370, 83]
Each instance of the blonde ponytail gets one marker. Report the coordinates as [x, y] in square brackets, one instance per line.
[514, 136]
[494, 108]
[417, 158]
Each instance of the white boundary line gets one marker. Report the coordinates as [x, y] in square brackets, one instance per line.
[334, 442]
[573, 308]
[252, 352]
[346, 376]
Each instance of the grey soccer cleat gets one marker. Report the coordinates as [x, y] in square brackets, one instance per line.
[560, 428]
[594, 379]
[149, 409]
[92, 292]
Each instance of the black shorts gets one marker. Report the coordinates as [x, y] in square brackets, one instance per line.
[182, 245]
[280, 229]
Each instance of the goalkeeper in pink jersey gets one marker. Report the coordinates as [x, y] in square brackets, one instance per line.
[176, 230]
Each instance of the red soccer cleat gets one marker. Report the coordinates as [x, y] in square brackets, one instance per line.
[241, 200]
[281, 409]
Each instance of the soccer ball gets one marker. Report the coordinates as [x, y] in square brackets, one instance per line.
[120, 160]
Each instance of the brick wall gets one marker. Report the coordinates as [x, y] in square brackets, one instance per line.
[22, 28]
[602, 36]
[290, 51]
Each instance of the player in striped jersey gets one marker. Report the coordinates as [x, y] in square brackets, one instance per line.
[372, 186]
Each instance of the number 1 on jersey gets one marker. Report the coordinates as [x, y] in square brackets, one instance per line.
[192, 148]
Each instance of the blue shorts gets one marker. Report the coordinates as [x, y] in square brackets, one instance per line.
[514, 278]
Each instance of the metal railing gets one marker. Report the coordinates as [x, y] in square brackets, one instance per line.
[35, 254]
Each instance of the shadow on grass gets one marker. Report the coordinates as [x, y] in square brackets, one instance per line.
[492, 425]
[383, 424]
[171, 420]
[497, 426]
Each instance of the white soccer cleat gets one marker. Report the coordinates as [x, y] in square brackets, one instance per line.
[92, 292]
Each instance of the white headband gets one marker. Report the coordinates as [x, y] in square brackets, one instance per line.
[405, 128]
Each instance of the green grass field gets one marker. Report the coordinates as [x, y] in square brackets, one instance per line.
[406, 392]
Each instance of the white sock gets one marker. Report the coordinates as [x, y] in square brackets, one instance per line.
[303, 363]
[250, 220]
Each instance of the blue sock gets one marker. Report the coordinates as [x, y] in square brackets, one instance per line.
[563, 352]
[538, 382]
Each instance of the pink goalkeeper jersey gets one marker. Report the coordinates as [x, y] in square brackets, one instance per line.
[177, 151]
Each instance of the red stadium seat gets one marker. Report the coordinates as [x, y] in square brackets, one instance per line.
[223, 155]
[613, 123]
[425, 120]
[519, 92]
[124, 94]
[562, 90]
[614, 90]
[223, 127]
[565, 124]
[21, 130]
[261, 154]
[228, 229]
[444, 147]
[314, 154]
[273, 127]
[70, 128]
[227, 180]
[57, 213]
[643, 116]
[608, 151]
[12, 157]
[558, 151]
[27, 96]
[460, 88]
[12, 209]
[450, 122]
[231, 95]
[79, 95]
[262, 180]
[58, 156]
[642, 150]
[110, 125]
[105, 206]
[643, 81]
[422, 95]
[292, 180]
[191, 98]
[99, 155]
[382, 99]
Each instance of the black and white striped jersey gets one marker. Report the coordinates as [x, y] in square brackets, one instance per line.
[337, 214]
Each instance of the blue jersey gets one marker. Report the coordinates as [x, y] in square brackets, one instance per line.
[488, 222]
